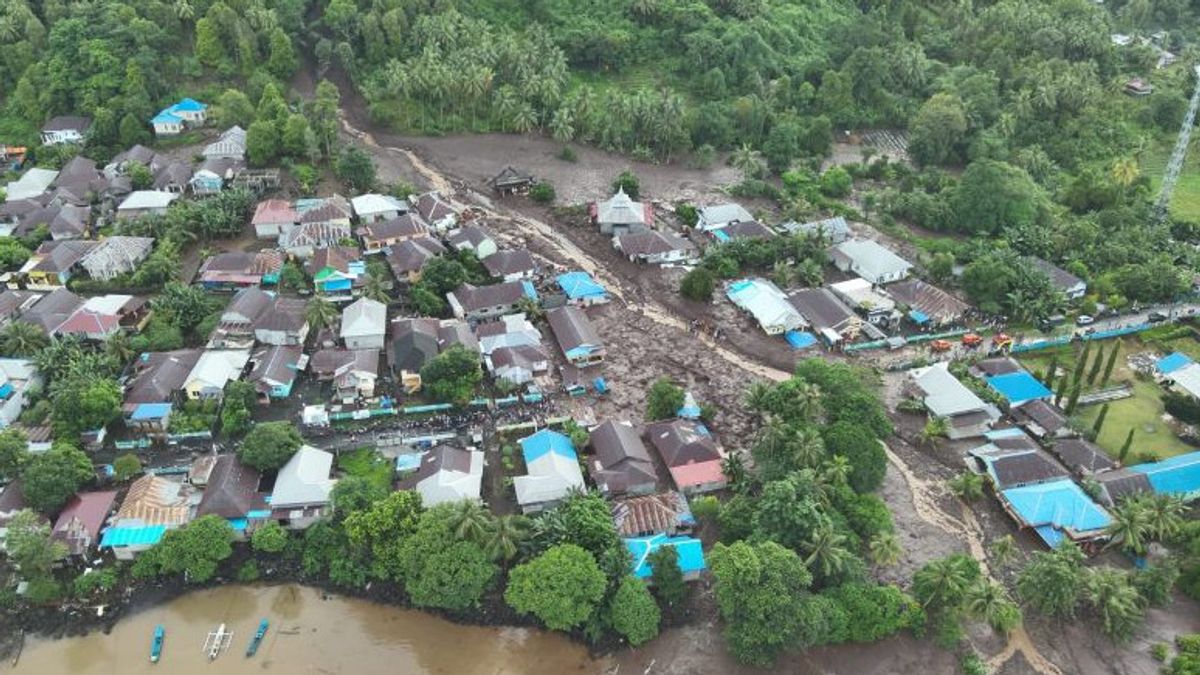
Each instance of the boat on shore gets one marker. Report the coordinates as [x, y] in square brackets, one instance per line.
[255, 641]
[156, 643]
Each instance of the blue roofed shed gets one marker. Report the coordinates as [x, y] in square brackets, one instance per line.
[545, 442]
[690, 550]
[150, 411]
[581, 288]
[1177, 476]
[1056, 510]
[1019, 387]
[115, 537]
[1172, 362]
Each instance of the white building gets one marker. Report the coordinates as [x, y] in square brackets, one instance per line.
[767, 304]
[364, 324]
[870, 260]
[446, 474]
[302, 488]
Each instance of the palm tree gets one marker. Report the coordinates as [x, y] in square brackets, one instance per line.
[987, 600]
[885, 549]
[470, 521]
[734, 468]
[1130, 529]
[934, 431]
[374, 289]
[944, 581]
[1164, 514]
[1115, 599]
[1003, 550]
[184, 10]
[967, 485]
[118, 348]
[747, 160]
[1125, 172]
[22, 339]
[505, 536]
[320, 313]
[836, 470]
[758, 396]
[825, 551]
[562, 126]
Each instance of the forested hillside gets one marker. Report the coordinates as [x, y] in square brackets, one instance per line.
[1019, 101]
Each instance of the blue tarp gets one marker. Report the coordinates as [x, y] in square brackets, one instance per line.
[580, 285]
[1049, 534]
[720, 236]
[1059, 505]
[600, 385]
[1172, 362]
[409, 462]
[150, 411]
[799, 339]
[1178, 476]
[546, 441]
[1019, 387]
[132, 536]
[918, 317]
[239, 524]
[691, 553]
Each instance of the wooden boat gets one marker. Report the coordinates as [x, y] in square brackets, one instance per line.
[217, 641]
[255, 641]
[156, 643]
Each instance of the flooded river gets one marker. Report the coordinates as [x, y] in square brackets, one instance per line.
[307, 635]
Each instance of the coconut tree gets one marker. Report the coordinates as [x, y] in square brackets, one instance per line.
[320, 313]
[117, 348]
[825, 551]
[836, 470]
[934, 431]
[1125, 173]
[1003, 550]
[22, 339]
[505, 535]
[747, 160]
[987, 600]
[967, 485]
[734, 468]
[758, 396]
[1164, 514]
[1115, 600]
[374, 289]
[885, 549]
[1131, 527]
[943, 583]
[470, 521]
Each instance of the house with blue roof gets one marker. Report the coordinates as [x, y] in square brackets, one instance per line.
[178, 117]
[1056, 511]
[153, 506]
[1019, 388]
[552, 471]
[581, 289]
[1171, 363]
[689, 549]
[1176, 476]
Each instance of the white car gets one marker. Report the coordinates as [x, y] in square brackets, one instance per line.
[1085, 320]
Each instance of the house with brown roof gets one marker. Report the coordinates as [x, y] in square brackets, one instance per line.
[511, 180]
[63, 221]
[12, 502]
[511, 265]
[65, 129]
[353, 372]
[576, 336]
[408, 258]
[116, 255]
[54, 263]
[239, 269]
[253, 314]
[53, 310]
[14, 303]
[446, 475]
[232, 492]
[827, 315]
[1066, 283]
[690, 453]
[663, 513]
[620, 463]
[1042, 419]
[272, 217]
[157, 381]
[927, 304]
[274, 371]
[654, 247]
[518, 364]
[475, 239]
[336, 270]
[1014, 460]
[435, 210]
[480, 303]
[742, 230]
[376, 236]
[412, 343]
[1082, 457]
[80, 521]
[153, 506]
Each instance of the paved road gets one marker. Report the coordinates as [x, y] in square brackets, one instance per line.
[1177, 311]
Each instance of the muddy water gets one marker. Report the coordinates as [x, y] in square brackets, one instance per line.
[307, 635]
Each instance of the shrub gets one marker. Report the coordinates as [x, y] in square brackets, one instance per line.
[248, 572]
[271, 538]
[542, 193]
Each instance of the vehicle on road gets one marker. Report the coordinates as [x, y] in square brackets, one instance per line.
[1084, 320]
[1156, 317]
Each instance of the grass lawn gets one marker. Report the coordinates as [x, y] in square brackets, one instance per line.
[1142, 412]
[1185, 203]
[366, 463]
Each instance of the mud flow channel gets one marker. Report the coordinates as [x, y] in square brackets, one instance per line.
[307, 634]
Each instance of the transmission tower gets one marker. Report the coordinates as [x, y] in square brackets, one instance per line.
[1175, 165]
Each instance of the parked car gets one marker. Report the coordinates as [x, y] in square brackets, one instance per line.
[1084, 320]
[1157, 317]
[1048, 323]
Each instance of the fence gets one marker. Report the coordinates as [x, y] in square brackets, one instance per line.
[909, 340]
[1066, 339]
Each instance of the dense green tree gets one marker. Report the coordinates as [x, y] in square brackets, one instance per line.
[356, 169]
[452, 376]
[49, 479]
[196, 549]
[126, 466]
[14, 453]
[760, 590]
[937, 132]
[355, 493]
[697, 285]
[282, 61]
[232, 108]
[269, 445]
[993, 196]
[666, 577]
[1114, 599]
[270, 538]
[262, 142]
[441, 569]
[561, 587]
[633, 612]
[664, 400]
[868, 461]
[29, 546]
[1052, 582]
[379, 531]
[628, 182]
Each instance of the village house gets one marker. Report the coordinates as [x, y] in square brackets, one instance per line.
[512, 181]
[237, 269]
[65, 129]
[475, 239]
[552, 471]
[511, 265]
[649, 514]
[63, 221]
[446, 475]
[870, 260]
[620, 215]
[581, 289]
[480, 303]
[689, 553]
[138, 154]
[833, 230]
[741, 230]
[408, 258]
[946, 398]
[926, 304]
[374, 208]
[1012, 459]
[1056, 511]
[274, 371]
[1042, 419]
[179, 117]
[1066, 283]
[18, 377]
[12, 502]
[253, 314]
[31, 184]
[871, 303]
[231, 144]
[512, 330]
[655, 247]
[717, 216]
[436, 211]
[767, 304]
[336, 270]
[231, 491]
[828, 316]
[519, 364]
[115, 256]
[620, 464]
[145, 203]
[153, 505]
[272, 217]
[175, 177]
[156, 383]
[79, 523]
[306, 238]
[1082, 457]
[213, 370]
[302, 488]
[100, 317]
[412, 344]
[576, 336]
[53, 310]
[352, 371]
[54, 263]
[690, 453]
[379, 235]
[214, 174]
[14, 303]
[364, 324]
